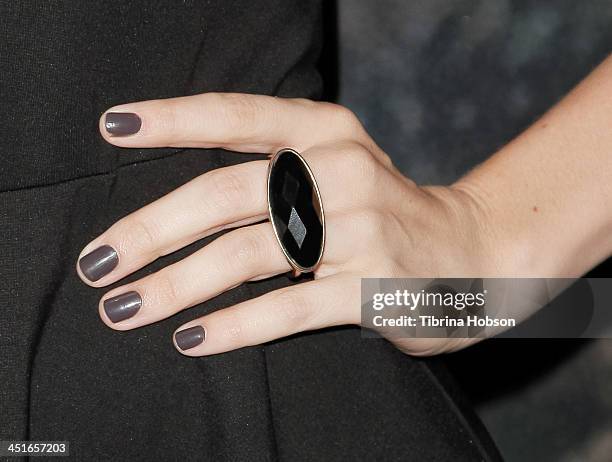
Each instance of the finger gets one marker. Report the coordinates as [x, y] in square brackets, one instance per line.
[239, 122]
[221, 199]
[241, 255]
[245, 254]
[348, 174]
[312, 305]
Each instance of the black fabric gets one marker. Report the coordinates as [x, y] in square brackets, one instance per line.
[130, 396]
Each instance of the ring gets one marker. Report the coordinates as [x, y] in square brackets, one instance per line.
[296, 210]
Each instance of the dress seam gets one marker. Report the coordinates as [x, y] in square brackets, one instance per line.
[109, 172]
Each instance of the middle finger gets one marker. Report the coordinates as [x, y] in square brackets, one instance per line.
[224, 198]
[246, 253]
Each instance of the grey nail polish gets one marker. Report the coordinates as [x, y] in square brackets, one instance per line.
[122, 123]
[122, 307]
[189, 338]
[99, 262]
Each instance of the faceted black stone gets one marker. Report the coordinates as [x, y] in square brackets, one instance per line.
[295, 209]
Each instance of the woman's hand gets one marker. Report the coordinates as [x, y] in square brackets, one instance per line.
[379, 224]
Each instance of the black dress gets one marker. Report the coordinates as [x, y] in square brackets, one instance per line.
[130, 396]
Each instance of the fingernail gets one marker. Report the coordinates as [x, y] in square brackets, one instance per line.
[99, 262]
[189, 338]
[122, 306]
[122, 123]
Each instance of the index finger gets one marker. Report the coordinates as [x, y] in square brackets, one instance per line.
[234, 121]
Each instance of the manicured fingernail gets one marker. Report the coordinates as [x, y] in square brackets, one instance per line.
[99, 262]
[122, 307]
[189, 338]
[122, 123]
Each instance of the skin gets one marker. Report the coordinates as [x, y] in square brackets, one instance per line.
[540, 207]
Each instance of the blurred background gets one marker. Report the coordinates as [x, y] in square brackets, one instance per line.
[441, 85]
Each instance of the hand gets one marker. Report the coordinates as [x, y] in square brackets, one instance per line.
[379, 224]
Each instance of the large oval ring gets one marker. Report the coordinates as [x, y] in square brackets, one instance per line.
[296, 210]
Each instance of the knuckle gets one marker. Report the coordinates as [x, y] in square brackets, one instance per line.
[242, 113]
[165, 290]
[234, 328]
[249, 249]
[362, 159]
[291, 308]
[166, 120]
[360, 162]
[228, 188]
[370, 223]
[343, 116]
[136, 234]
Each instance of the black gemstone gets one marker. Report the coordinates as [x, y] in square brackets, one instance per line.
[296, 211]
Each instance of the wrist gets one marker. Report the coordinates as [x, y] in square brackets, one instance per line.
[512, 245]
[470, 242]
[534, 235]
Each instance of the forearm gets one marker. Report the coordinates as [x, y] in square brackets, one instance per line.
[546, 198]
